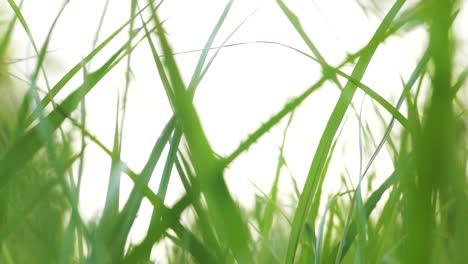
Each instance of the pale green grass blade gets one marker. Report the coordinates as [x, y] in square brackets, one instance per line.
[72, 72]
[321, 230]
[343, 247]
[209, 172]
[176, 138]
[28, 144]
[6, 37]
[197, 74]
[128, 71]
[269, 211]
[330, 131]
[119, 234]
[111, 207]
[199, 252]
[416, 74]
[297, 25]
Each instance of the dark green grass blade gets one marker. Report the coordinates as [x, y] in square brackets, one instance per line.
[330, 131]
[192, 245]
[203, 217]
[439, 181]
[66, 255]
[19, 16]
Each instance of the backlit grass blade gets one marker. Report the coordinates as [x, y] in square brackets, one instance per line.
[177, 134]
[25, 26]
[269, 211]
[209, 43]
[111, 207]
[315, 203]
[72, 72]
[6, 37]
[371, 203]
[208, 169]
[119, 234]
[330, 131]
[297, 25]
[196, 78]
[191, 244]
[418, 71]
[28, 144]
[340, 250]
[439, 180]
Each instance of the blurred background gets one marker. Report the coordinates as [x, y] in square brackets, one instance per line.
[258, 71]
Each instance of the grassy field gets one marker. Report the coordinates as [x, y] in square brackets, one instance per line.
[415, 214]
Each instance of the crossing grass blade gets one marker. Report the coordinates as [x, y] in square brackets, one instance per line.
[28, 144]
[79, 66]
[208, 169]
[330, 131]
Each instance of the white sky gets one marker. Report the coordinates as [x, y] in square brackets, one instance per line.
[245, 86]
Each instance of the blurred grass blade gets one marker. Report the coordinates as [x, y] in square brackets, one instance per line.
[342, 248]
[269, 211]
[125, 221]
[196, 78]
[28, 144]
[209, 172]
[111, 207]
[6, 37]
[73, 71]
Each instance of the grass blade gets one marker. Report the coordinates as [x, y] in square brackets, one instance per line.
[330, 131]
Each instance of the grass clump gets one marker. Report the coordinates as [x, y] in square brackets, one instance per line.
[417, 214]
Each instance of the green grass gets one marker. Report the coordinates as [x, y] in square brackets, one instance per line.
[417, 214]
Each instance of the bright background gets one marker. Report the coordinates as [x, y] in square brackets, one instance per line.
[245, 86]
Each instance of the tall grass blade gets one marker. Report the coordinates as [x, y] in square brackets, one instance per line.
[330, 131]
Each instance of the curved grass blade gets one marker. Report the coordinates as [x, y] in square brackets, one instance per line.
[269, 211]
[6, 37]
[72, 72]
[209, 172]
[175, 141]
[191, 244]
[330, 131]
[28, 144]
[118, 236]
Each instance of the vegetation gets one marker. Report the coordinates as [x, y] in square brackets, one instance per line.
[418, 214]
